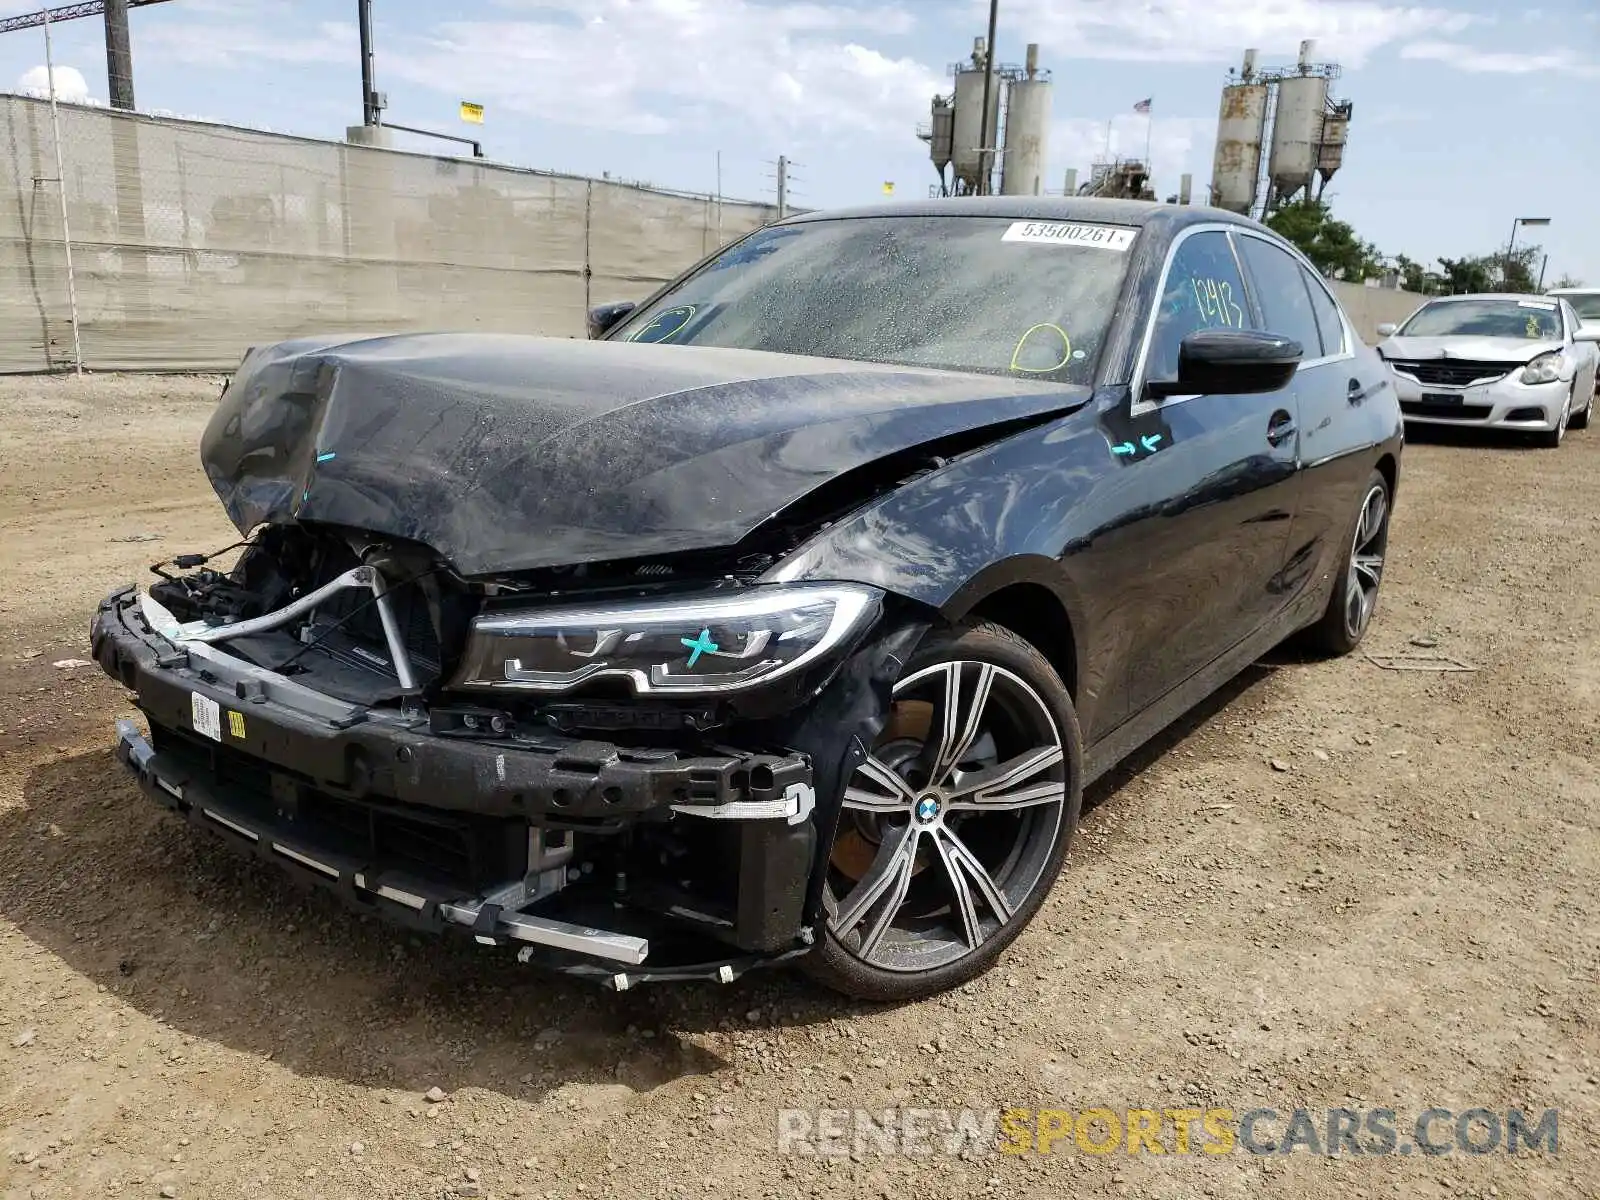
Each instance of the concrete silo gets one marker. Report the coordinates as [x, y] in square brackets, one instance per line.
[1241, 125]
[1297, 129]
[970, 138]
[1028, 104]
[941, 137]
[1335, 133]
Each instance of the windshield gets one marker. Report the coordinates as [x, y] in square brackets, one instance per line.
[1538, 319]
[1586, 305]
[1028, 298]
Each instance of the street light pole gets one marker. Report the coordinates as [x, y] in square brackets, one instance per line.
[1505, 277]
[986, 153]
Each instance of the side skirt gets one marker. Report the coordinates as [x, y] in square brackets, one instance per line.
[1141, 727]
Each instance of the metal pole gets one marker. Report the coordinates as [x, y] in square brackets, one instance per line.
[369, 110]
[1505, 274]
[719, 199]
[1543, 263]
[119, 55]
[783, 187]
[61, 187]
[986, 153]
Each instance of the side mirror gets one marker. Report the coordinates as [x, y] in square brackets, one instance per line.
[1229, 362]
[1587, 333]
[604, 316]
[1387, 328]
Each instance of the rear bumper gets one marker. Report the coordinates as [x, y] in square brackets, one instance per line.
[326, 790]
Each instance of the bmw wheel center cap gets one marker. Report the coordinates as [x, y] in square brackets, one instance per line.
[928, 809]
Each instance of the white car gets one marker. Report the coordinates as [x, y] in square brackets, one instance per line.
[1586, 303]
[1497, 360]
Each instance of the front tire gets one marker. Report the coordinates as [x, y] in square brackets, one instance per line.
[956, 826]
[1552, 440]
[1355, 590]
[1580, 420]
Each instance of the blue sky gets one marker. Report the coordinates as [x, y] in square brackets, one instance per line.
[1467, 114]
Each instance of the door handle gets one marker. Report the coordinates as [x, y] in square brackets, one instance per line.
[1355, 392]
[1281, 428]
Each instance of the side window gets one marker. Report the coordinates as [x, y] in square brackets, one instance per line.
[1281, 292]
[1203, 291]
[1328, 322]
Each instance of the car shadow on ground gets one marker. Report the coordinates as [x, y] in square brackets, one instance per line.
[225, 950]
[1114, 780]
[1466, 435]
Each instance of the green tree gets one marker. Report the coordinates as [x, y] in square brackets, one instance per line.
[1468, 275]
[1567, 281]
[1330, 244]
[1412, 276]
[1494, 272]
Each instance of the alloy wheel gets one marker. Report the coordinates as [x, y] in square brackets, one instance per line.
[1366, 561]
[951, 822]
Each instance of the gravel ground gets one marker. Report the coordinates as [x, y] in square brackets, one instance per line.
[1337, 885]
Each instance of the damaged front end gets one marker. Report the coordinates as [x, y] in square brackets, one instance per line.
[633, 776]
[508, 648]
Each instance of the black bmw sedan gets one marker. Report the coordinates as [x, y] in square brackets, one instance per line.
[788, 615]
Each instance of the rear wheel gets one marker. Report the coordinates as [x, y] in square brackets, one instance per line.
[955, 827]
[1355, 591]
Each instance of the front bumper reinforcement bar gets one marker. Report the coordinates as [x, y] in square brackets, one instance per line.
[490, 922]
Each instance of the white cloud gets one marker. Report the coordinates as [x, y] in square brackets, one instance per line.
[71, 87]
[1470, 58]
[655, 65]
[1205, 31]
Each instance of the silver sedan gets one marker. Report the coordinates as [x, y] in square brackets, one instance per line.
[1497, 360]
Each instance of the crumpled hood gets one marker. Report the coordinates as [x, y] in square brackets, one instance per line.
[504, 452]
[1473, 349]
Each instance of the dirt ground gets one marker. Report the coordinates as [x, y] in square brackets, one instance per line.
[1338, 885]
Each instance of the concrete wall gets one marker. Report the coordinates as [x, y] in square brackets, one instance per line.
[192, 242]
[1370, 307]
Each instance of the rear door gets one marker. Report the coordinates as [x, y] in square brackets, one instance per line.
[1331, 384]
[1219, 468]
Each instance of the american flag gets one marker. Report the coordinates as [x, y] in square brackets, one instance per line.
[1143, 106]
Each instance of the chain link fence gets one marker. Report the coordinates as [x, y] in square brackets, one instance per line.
[192, 242]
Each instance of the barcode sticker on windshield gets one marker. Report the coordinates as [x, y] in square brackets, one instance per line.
[1069, 233]
[1547, 305]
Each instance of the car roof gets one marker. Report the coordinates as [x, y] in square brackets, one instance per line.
[1573, 291]
[1093, 209]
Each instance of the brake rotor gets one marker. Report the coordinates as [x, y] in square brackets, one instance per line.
[860, 834]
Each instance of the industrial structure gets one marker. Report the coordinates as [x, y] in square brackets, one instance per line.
[965, 129]
[119, 56]
[1280, 135]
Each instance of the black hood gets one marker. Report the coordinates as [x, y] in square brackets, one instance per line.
[504, 453]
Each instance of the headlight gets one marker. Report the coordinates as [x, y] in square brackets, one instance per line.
[1544, 369]
[698, 646]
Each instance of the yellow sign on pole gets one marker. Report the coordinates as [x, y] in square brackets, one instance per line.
[471, 113]
[888, 188]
